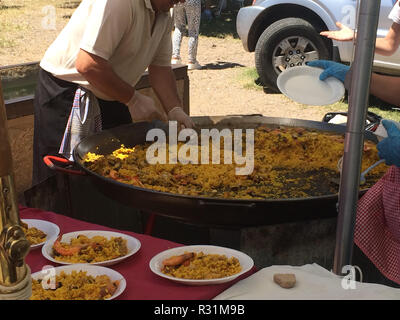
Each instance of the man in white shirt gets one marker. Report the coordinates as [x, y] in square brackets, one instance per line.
[105, 48]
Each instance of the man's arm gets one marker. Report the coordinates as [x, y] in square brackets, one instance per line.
[163, 82]
[101, 75]
[388, 45]
[385, 88]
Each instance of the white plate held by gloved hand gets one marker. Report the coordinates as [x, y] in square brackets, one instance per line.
[302, 84]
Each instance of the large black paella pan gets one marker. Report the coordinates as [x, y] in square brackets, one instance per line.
[209, 211]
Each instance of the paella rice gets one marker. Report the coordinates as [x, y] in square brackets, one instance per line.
[288, 163]
[33, 235]
[200, 266]
[83, 249]
[77, 285]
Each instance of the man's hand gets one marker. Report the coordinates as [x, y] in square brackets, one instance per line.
[332, 69]
[389, 148]
[163, 82]
[344, 34]
[184, 121]
[143, 108]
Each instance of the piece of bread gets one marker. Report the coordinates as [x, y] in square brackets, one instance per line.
[285, 280]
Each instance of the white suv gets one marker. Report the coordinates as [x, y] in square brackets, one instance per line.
[285, 34]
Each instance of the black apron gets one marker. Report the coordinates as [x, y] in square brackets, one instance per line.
[52, 106]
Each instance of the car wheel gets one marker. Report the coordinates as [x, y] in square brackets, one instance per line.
[287, 43]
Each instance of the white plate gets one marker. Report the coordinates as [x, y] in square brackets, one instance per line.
[132, 243]
[90, 270]
[302, 85]
[245, 261]
[50, 229]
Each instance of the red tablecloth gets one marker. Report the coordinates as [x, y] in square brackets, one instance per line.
[142, 283]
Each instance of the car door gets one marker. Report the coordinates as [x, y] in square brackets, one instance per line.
[346, 13]
[386, 63]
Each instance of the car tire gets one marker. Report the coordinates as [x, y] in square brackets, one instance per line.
[273, 48]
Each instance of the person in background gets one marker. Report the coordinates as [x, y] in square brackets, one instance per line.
[384, 46]
[188, 13]
[101, 54]
[377, 228]
[207, 13]
[382, 86]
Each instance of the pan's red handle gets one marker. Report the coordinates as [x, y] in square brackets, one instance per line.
[48, 160]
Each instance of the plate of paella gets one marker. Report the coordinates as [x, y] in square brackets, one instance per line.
[37, 232]
[201, 264]
[77, 282]
[95, 247]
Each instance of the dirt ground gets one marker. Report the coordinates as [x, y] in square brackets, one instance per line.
[215, 89]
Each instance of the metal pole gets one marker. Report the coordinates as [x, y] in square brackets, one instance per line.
[354, 139]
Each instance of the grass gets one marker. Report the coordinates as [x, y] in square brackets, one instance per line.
[6, 43]
[375, 105]
[4, 7]
[6, 26]
[69, 4]
[248, 78]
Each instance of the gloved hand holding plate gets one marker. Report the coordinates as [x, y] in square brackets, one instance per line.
[303, 85]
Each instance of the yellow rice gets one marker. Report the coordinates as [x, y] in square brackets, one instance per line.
[103, 250]
[33, 235]
[205, 266]
[74, 286]
[280, 156]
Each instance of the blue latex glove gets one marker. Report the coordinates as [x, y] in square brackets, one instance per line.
[389, 148]
[332, 69]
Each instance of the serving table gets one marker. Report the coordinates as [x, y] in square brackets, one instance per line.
[142, 283]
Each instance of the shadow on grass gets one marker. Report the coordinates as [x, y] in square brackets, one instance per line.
[221, 65]
[220, 26]
[382, 105]
[69, 5]
[375, 102]
[5, 7]
[267, 90]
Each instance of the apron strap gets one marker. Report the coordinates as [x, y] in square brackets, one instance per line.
[84, 120]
